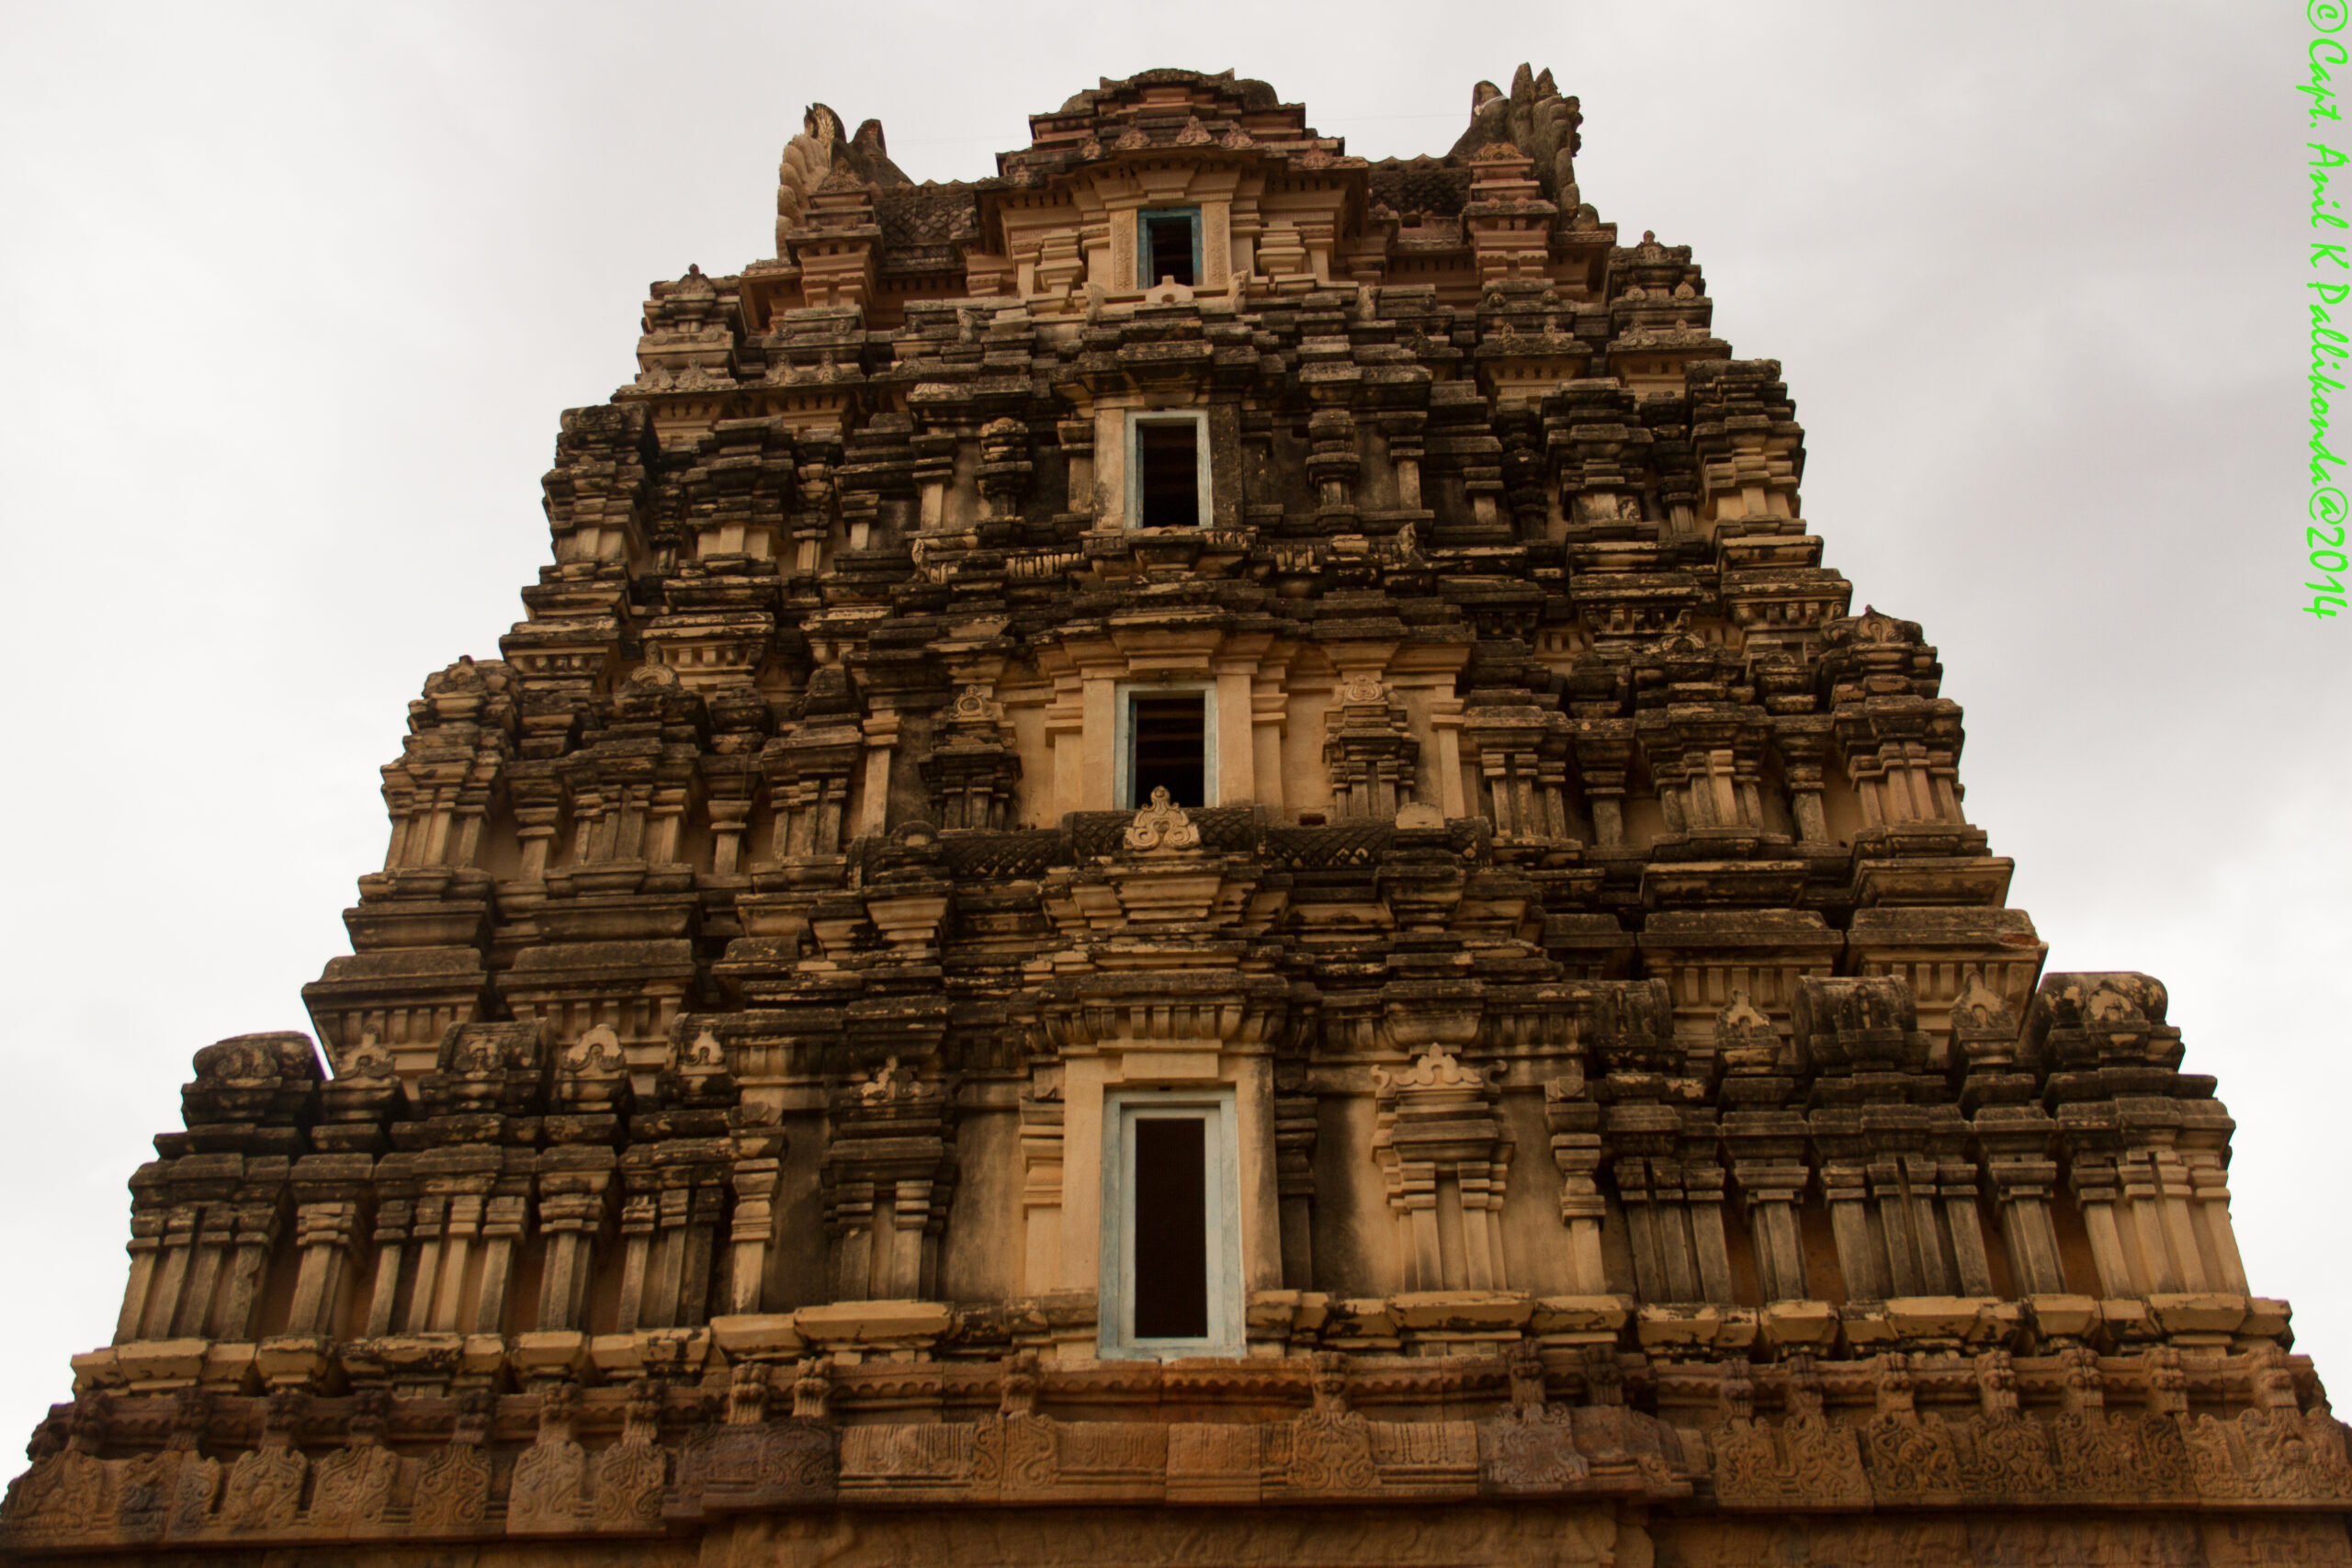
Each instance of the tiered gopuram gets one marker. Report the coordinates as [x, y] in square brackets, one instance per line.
[1187, 861]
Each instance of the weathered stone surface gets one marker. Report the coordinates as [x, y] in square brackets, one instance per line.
[1636, 1131]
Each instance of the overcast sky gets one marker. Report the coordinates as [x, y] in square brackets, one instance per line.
[291, 298]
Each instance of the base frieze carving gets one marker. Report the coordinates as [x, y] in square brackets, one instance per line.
[656, 1461]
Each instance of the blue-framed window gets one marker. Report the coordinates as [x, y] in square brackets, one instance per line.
[1167, 245]
[1166, 740]
[1168, 469]
[1172, 1225]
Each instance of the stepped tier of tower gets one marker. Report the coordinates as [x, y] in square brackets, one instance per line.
[1633, 1121]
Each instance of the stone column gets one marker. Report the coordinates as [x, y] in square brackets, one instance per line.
[639, 1217]
[461, 1218]
[2013, 1141]
[211, 1235]
[1295, 1135]
[1604, 749]
[1964, 1225]
[505, 1220]
[1575, 1124]
[146, 1249]
[260, 1210]
[1237, 746]
[1269, 718]
[1041, 1189]
[2099, 1190]
[574, 1191]
[873, 800]
[1768, 1162]
[394, 1240]
[332, 1196]
[1842, 1177]
[758, 1171]
[1803, 741]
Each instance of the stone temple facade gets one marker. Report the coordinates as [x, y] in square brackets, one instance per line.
[1187, 861]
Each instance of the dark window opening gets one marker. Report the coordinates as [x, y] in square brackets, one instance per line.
[1169, 240]
[1171, 456]
[1172, 1229]
[1170, 741]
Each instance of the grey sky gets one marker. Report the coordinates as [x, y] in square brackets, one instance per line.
[291, 298]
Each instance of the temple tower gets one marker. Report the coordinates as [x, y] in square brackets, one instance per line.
[1186, 859]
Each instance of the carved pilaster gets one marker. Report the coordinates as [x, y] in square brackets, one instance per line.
[1574, 1121]
[1437, 1138]
[809, 767]
[1765, 1142]
[676, 1174]
[973, 770]
[1295, 1135]
[890, 1174]
[1370, 751]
